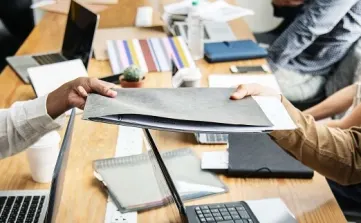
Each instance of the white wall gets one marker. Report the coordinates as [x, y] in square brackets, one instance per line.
[263, 19]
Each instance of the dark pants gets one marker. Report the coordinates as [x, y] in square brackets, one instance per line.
[348, 197]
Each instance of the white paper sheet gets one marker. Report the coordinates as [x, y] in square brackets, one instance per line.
[47, 78]
[229, 81]
[215, 160]
[275, 112]
[187, 188]
[218, 11]
[221, 11]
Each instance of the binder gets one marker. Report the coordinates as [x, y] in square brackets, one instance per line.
[257, 155]
[232, 51]
[134, 182]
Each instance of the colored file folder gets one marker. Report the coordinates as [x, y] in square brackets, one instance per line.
[151, 55]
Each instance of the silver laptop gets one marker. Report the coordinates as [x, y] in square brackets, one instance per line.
[213, 31]
[77, 43]
[256, 211]
[38, 205]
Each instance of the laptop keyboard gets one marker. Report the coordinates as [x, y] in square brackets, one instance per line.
[49, 58]
[217, 137]
[21, 208]
[207, 138]
[224, 213]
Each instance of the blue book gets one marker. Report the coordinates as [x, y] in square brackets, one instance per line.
[233, 50]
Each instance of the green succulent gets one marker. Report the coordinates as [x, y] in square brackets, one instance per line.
[133, 74]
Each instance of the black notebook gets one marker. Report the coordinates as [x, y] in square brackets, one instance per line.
[257, 155]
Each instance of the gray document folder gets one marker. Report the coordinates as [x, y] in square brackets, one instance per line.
[178, 109]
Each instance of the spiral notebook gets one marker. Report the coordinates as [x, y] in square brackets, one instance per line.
[134, 182]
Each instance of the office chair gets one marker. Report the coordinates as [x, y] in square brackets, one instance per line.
[352, 216]
[16, 23]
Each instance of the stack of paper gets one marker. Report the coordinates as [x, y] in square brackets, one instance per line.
[232, 81]
[151, 55]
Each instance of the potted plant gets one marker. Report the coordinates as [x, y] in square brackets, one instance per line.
[133, 77]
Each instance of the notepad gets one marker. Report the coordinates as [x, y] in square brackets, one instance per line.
[133, 184]
[151, 55]
[47, 78]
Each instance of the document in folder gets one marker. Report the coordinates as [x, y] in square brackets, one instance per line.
[183, 109]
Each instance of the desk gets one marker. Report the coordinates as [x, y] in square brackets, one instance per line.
[83, 199]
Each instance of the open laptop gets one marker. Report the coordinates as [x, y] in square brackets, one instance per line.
[39, 205]
[256, 211]
[77, 43]
[213, 31]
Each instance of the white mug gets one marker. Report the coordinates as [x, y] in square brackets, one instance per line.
[42, 157]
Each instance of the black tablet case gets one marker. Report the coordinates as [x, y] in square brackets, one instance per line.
[257, 155]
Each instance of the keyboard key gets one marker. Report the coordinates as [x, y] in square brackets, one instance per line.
[236, 217]
[244, 214]
[216, 206]
[218, 218]
[208, 215]
[210, 219]
[227, 217]
[225, 213]
[214, 210]
[233, 205]
[229, 221]
[199, 212]
[206, 211]
[223, 210]
[250, 220]
[233, 212]
[240, 208]
[203, 220]
[197, 208]
[231, 209]
[238, 221]
[216, 214]
[204, 207]
[2, 202]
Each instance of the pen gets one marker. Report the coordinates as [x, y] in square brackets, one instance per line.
[112, 78]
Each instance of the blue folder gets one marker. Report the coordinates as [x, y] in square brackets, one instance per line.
[233, 50]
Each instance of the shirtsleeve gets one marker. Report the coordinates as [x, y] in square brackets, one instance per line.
[23, 124]
[332, 152]
[319, 17]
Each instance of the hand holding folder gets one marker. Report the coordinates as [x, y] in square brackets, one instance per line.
[188, 110]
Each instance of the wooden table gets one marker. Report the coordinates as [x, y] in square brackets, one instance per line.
[83, 198]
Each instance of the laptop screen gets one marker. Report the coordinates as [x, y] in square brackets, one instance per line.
[79, 33]
[56, 190]
[171, 198]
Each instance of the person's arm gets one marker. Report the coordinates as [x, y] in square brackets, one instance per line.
[353, 119]
[332, 152]
[335, 104]
[319, 17]
[25, 122]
